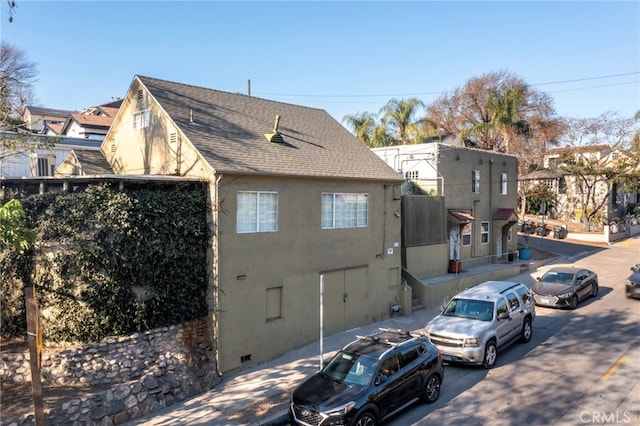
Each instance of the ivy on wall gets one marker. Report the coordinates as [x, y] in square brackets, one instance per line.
[110, 262]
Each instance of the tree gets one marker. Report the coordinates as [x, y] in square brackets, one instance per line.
[13, 230]
[596, 176]
[362, 125]
[499, 111]
[400, 117]
[17, 76]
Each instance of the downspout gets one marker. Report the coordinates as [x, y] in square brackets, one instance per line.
[216, 272]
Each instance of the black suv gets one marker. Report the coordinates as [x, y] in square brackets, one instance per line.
[369, 380]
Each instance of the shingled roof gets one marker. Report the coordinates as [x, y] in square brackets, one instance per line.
[228, 130]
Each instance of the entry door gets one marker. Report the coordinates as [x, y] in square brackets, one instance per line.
[345, 299]
[499, 247]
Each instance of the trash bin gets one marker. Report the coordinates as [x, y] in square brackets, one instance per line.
[557, 232]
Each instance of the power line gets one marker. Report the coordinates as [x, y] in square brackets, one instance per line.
[391, 95]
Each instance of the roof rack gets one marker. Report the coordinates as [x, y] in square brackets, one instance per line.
[376, 338]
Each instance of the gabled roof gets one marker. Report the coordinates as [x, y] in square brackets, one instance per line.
[228, 130]
[92, 162]
[543, 174]
[47, 111]
[88, 121]
[578, 149]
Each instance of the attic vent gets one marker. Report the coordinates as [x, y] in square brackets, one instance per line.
[140, 94]
[113, 148]
[275, 137]
[173, 138]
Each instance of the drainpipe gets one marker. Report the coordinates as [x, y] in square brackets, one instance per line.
[216, 269]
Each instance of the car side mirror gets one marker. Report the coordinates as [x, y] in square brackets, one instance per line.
[380, 379]
[503, 315]
[538, 278]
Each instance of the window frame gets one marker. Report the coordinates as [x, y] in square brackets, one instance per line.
[257, 212]
[475, 181]
[485, 232]
[141, 119]
[339, 211]
[469, 234]
[503, 183]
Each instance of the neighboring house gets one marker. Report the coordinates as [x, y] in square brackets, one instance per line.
[37, 119]
[298, 204]
[84, 162]
[41, 162]
[468, 216]
[91, 123]
[568, 190]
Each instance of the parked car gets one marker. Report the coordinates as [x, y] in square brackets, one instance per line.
[369, 380]
[633, 286]
[481, 320]
[565, 287]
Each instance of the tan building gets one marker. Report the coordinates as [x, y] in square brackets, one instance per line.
[297, 203]
[468, 216]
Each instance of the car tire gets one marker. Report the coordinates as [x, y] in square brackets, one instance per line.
[527, 331]
[490, 354]
[366, 419]
[574, 302]
[431, 389]
[594, 290]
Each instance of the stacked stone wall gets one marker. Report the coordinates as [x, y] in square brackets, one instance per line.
[132, 375]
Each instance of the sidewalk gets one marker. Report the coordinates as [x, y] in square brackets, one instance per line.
[260, 395]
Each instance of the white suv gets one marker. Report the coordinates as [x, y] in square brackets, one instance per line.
[482, 319]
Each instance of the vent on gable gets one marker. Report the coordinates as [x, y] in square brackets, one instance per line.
[113, 148]
[140, 94]
[173, 138]
[275, 137]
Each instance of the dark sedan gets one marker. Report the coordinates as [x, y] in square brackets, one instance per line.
[633, 285]
[565, 287]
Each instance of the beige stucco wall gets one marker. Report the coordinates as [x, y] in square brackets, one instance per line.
[294, 258]
[455, 165]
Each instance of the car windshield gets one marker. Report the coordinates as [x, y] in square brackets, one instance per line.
[467, 308]
[558, 278]
[350, 368]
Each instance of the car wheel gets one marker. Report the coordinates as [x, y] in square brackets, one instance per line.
[366, 419]
[594, 290]
[574, 302]
[527, 331]
[490, 354]
[431, 389]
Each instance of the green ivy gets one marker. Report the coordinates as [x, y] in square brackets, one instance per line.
[110, 262]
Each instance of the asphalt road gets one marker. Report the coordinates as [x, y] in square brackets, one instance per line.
[581, 367]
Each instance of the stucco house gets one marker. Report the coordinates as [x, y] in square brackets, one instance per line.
[570, 192]
[36, 162]
[298, 204]
[468, 214]
[38, 119]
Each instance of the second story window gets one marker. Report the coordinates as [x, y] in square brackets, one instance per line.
[503, 183]
[345, 210]
[475, 181]
[412, 175]
[141, 119]
[257, 212]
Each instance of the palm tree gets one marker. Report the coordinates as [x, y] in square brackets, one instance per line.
[362, 125]
[504, 106]
[399, 114]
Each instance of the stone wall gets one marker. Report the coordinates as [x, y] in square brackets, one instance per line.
[131, 375]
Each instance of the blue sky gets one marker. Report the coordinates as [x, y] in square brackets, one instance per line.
[343, 57]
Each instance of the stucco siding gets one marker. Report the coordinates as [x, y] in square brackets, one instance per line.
[355, 261]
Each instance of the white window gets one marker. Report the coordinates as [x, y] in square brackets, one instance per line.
[257, 212]
[412, 175]
[466, 235]
[475, 181]
[484, 232]
[344, 210]
[141, 119]
[503, 183]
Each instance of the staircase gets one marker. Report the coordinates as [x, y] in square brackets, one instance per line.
[416, 304]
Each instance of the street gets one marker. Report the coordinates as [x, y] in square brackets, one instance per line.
[581, 367]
